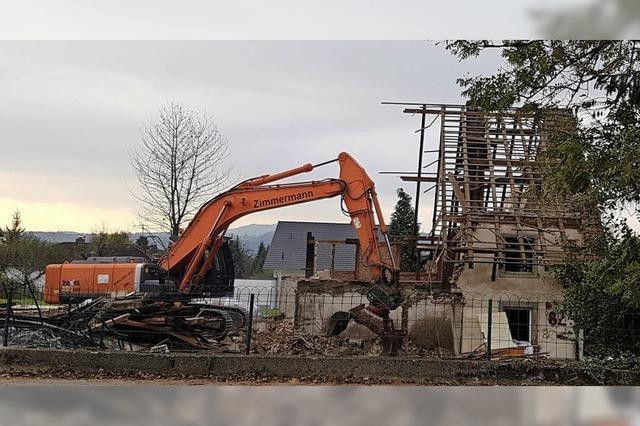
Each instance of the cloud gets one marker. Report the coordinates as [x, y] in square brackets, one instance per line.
[72, 112]
[255, 19]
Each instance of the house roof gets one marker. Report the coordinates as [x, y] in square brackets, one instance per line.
[288, 249]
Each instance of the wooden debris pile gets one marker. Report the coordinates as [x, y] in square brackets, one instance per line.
[136, 320]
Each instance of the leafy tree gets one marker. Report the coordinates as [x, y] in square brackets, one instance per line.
[602, 294]
[23, 258]
[593, 160]
[261, 255]
[401, 226]
[15, 230]
[596, 155]
[242, 258]
[105, 243]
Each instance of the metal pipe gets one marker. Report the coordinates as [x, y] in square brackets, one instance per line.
[393, 259]
[324, 163]
[376, 205]
[416, 253]
[272, 178]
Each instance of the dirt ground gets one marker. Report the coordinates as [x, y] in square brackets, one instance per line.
[39, 381]
[49, 366]
[26, 376]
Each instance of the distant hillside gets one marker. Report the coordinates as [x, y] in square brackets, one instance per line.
[252, 242]
[58, 236]
[251, 235]
[253, 230]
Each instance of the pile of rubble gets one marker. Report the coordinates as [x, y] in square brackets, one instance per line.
[140, 323]
[282, 338]
[43, 338]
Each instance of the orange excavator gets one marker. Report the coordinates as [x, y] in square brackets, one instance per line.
[199, 263]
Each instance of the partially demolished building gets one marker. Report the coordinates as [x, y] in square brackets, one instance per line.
[493, 237]
[488, 214]
[483, 280]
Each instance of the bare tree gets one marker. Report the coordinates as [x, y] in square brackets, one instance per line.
[179, 164]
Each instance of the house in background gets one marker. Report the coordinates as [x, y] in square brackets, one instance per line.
[304, 249]
[287, 254]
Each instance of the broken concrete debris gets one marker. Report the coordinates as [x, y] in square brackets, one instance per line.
[43, 338]
[283, 338]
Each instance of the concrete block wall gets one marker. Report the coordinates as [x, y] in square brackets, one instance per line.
[447, 325]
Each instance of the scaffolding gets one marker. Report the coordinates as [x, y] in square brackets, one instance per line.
[487, 180]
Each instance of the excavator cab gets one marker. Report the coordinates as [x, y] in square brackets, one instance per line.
[219, 279]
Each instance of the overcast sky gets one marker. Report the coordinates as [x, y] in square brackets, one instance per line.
[72, 112]
[279, 19]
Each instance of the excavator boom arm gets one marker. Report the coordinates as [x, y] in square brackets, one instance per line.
[192, 254]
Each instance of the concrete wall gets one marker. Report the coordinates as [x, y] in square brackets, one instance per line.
[428, 323]
[478, 278]
[286, 294]
[539, 291]
[116, 365]
[446, 323]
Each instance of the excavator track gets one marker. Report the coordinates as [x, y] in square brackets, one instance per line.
[228, 322]
[235, 316]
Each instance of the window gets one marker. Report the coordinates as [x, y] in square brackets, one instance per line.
[517, 257]
[519, 320]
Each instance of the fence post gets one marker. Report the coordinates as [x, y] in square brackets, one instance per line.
[7, 315]
[580, 345]
[461, 330]
[35, 300]
[489, 326]
[250, 324]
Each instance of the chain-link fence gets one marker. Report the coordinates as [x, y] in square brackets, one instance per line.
[310, 319]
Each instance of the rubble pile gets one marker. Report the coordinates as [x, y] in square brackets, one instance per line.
[42, 338]
[140, 323]
[282, 338]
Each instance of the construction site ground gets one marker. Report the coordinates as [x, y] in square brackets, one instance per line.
[23, 365]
